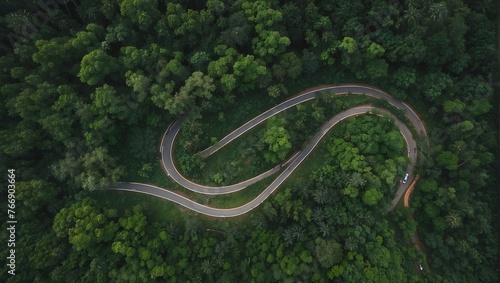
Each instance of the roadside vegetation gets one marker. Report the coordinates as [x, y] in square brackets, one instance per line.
[89, 87]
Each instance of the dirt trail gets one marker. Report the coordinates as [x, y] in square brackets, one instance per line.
[409, 191]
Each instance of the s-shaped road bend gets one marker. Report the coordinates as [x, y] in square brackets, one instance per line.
[166, 149]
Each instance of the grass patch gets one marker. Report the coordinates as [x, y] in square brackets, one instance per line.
[241, 197]
[220, 124]
[239, 160]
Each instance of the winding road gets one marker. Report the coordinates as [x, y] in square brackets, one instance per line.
[167, 143]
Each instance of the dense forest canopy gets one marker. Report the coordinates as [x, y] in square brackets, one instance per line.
[88, 88]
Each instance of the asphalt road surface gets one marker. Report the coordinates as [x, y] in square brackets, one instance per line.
[166, 149]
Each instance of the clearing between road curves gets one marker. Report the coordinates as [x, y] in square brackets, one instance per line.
[167, 143]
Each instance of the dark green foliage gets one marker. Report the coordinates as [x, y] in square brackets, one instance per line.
[88, 88]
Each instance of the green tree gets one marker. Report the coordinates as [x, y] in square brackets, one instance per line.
[36, 194]
[95, 66]
[448, 160]
[142, 13]
[438, 11]
[277, 139]
[435, 84]
[328, 252]
[247, 72]
[270, 43]
[95, 170]
[412, 16]
[289, 66]
[85, 226]
[197, 88]
[372, 196]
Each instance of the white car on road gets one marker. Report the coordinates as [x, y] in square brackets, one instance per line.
[406, 178]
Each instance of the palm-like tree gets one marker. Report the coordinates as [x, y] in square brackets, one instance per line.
[171, 229]
[340, 179]
[357, 180]
[244, 265]
[287, 236]
[192, 227]
[350, 244]
[207, 266]
[368, 218]
[412, 15]
[453, 220]
[221, 248]
[320, 196]
[259, 223]
[438, 11]
[463, 246]
[318, 215]
[297, 232]
[270, 211]
[301, 189]
[324, 228]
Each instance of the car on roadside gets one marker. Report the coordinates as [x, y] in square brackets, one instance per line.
[405, 179]
[420, 267]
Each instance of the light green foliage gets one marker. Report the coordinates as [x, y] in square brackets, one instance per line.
[222, 65]
[261, 13]
[372, 196]
[351, 55]
[52, 53]
[132, 57]
[448, 160]
[95, 66]
[351, 191]
[199, 58]
[142, 13]
[107, 101]
[456, 106]
[247, 71]
[140, 84]
[185, 22]
[349, 45]
[480, 106]
[84, 225]
[235, 70]
[276, 90]
[270, 43]
[336, 271]
[348, 156]
[374, 51]
[197, 87]
[135, 222]
[86, 40]
[145, 170]
[277, 139]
